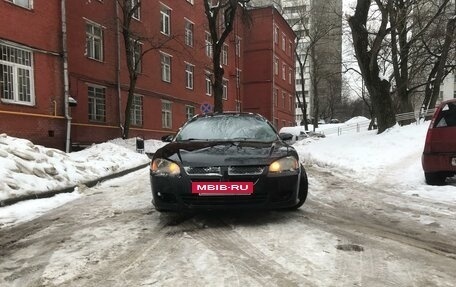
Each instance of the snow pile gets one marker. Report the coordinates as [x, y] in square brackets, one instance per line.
[391, 159]
[28, 169]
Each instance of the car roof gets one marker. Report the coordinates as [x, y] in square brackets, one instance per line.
[229, 113]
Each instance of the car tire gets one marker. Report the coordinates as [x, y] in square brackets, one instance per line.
[303, 188]
[434, 178]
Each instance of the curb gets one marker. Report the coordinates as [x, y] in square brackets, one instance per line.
[51, 193]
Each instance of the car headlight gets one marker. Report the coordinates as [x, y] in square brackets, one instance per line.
[164, 167]
[287, 164]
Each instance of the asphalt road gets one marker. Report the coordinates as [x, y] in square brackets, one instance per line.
[346, 234]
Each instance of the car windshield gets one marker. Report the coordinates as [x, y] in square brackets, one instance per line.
[227, 128]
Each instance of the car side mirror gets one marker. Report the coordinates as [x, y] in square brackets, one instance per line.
[285, 136]
[167, 138]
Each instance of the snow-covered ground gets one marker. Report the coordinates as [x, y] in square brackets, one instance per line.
[392, 158]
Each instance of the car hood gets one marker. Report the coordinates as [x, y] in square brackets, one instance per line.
[224, 153]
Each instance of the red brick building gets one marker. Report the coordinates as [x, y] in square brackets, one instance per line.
[174, 80]
[270, 67]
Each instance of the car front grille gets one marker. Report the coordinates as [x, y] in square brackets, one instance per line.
[245, 170]
[218, 171]
[215, 170]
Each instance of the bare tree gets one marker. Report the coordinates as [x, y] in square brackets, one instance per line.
[367, 53]
[316, 27]
[400, 47]
[221, 16]
[137, 42]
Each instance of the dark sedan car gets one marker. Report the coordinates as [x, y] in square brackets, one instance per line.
[227, 160]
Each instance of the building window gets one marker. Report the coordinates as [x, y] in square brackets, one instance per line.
[136, 50]
[94, 41]
[276, 93]
[225, 54]
[290, 48]
[23, 3]
[276, 65]
[135, 6]
[16, 75]
[189, 112]
[276, 123]
[284, 73]
[188, 33]
[208, 43]
[238, 77]
[276, 34]
[165, 21]
[284, 94]
[283, 42]
[97, 103]
[208, 84]
[290, 102]
[290, 75]
[165, 67]
[137, 110]
[189, 71]
[167, 114]
[238, 46]
[225, 89]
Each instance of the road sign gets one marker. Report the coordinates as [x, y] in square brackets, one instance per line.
[206, 108]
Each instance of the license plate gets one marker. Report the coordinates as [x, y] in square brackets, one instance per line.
[453, 161]
[222, 188]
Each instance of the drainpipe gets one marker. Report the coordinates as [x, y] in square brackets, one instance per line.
[66, 86]
[119, 92]
[273, 73]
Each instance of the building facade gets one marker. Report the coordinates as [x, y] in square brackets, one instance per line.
[65, 79]
[271, 89]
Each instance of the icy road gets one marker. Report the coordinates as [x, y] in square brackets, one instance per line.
[346, 234]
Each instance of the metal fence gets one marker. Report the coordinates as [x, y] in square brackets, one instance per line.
[417, 116]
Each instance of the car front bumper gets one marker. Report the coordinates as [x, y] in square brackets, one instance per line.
[175, 194]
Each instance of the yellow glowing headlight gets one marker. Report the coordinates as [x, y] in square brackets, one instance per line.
[286, 164]
[164, 167]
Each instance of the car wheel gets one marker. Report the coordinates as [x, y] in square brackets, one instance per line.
[434, 178]
[303, 187]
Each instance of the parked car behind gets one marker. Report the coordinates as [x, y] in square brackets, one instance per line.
[439, 155]
[227, 160]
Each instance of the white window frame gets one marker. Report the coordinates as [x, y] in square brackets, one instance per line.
[97, 104]
[165, 20]
[224, 54]
[189, 111]
[137, 110]
[238, 46]
[189, 32]
[27, 5]
[290, 75]
[136, 14]
[208, 44]
[276, 65]
[137, 54]
[284, 41]
[208, 83]
[284, 71]
[19, 74]
[167, 114]
[225, 84]
[92, 39]
[165, 67]
[276, 34]
[189, 75]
